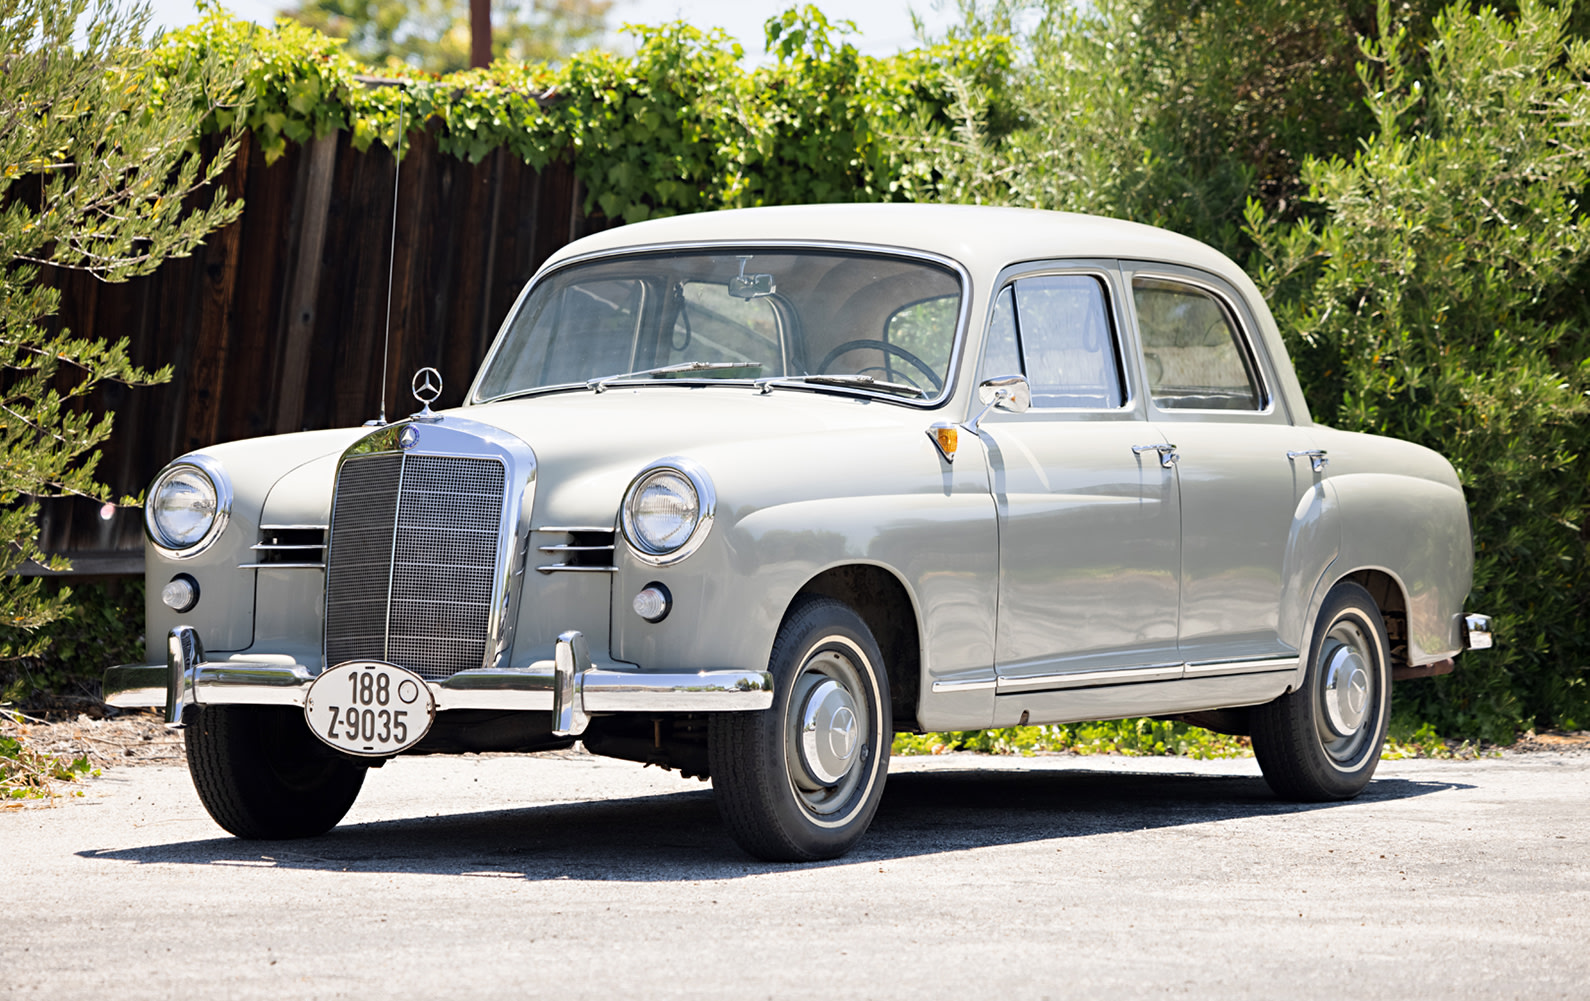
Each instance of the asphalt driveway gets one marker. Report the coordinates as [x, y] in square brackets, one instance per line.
[1055, 877]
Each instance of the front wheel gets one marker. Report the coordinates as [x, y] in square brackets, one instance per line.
[261, 774]
[1322, 741]
[801, 781]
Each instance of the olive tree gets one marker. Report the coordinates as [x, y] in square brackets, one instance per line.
[101, 171]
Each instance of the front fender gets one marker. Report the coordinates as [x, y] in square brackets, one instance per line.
[939, 540]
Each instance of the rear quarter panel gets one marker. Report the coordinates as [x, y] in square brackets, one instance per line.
[1403, 512]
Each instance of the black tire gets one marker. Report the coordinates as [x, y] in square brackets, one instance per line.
[1323, 741]
[792, 795]
[261, 773]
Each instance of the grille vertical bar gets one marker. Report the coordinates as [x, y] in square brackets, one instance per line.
[442, 549]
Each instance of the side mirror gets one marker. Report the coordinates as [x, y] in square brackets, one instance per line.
[1011, 393]
[1005, 392]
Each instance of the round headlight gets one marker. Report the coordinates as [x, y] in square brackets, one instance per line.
[667, 511]
[187, 506]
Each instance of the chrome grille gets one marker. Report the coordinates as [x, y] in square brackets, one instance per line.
[412, 561]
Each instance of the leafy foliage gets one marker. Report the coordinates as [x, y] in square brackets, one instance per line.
[1441, 300]
[681, 126]
[69, 655]
[434, 35]
[1137, 737]
[98, 164]
[26, 773]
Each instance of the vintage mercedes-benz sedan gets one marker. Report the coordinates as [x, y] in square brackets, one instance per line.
[745, 493]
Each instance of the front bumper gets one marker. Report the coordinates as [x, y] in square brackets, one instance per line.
[569, 685]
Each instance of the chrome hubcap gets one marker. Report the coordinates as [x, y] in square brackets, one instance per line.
[1350, 693]
[1346, 690]
[830, 732]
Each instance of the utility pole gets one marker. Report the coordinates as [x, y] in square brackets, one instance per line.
[479, 33]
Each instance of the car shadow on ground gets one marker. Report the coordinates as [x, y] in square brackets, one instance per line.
[678, 836]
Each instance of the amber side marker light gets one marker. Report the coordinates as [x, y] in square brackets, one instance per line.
[947, 437]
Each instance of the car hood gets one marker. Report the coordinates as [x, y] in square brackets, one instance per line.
[589, 446]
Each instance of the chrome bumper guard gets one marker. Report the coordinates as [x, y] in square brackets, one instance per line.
[569, 685]
[1477, 632]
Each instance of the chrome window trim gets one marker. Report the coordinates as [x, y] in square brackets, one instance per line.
[212, 468]
[1244, 338]
[513, 533]
[473, 398]
[1117, 318]
[706, 499]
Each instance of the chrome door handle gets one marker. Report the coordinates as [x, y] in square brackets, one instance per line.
[1167, 453]
[1316, 454]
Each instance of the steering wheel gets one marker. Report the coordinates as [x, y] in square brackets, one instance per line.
[886, 348]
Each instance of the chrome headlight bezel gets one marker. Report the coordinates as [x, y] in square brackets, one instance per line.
[220, 483]
[706, 511]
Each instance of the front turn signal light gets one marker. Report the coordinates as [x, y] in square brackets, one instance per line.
[947, 437]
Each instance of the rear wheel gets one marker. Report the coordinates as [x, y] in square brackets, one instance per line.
[801, 781]
[1322, 741]
[261, 773]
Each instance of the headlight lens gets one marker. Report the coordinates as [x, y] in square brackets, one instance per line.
[182, 507]
[663, 510]
[668, 511]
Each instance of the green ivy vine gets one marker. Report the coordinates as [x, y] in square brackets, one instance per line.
[681, 126]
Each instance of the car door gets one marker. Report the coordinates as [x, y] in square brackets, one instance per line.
[1088, 513]
[1244, 486]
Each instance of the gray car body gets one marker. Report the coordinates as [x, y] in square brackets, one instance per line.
[999, 562]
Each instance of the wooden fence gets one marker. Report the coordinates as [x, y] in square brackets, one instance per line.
[276, 323]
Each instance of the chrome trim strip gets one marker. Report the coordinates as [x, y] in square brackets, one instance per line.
[281, 566]
[1216, 668]
[958, 349]
[293, 528]
[554, 529]
[212, 468]
[979, 685]
[1141, 675]
[574, 549]
[573, 568]
[1088, 679]
[273, 547]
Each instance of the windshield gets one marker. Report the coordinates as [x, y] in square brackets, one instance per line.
[738, 315]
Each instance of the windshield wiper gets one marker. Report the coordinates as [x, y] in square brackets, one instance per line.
[857, 381]
[602, 383]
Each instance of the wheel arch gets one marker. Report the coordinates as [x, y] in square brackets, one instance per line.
[1392, 600]
[885, 604]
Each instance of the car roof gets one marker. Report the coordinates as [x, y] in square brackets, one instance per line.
[979, 236]
[983, 238]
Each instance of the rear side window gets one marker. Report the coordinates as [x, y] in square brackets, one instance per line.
[1055, 330]
[1194, 355]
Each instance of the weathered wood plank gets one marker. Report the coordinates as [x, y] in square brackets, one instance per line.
[298, 312]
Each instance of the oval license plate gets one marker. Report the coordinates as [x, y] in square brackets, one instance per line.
[368, 708]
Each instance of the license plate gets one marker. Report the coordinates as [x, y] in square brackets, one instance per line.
[368, 708]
